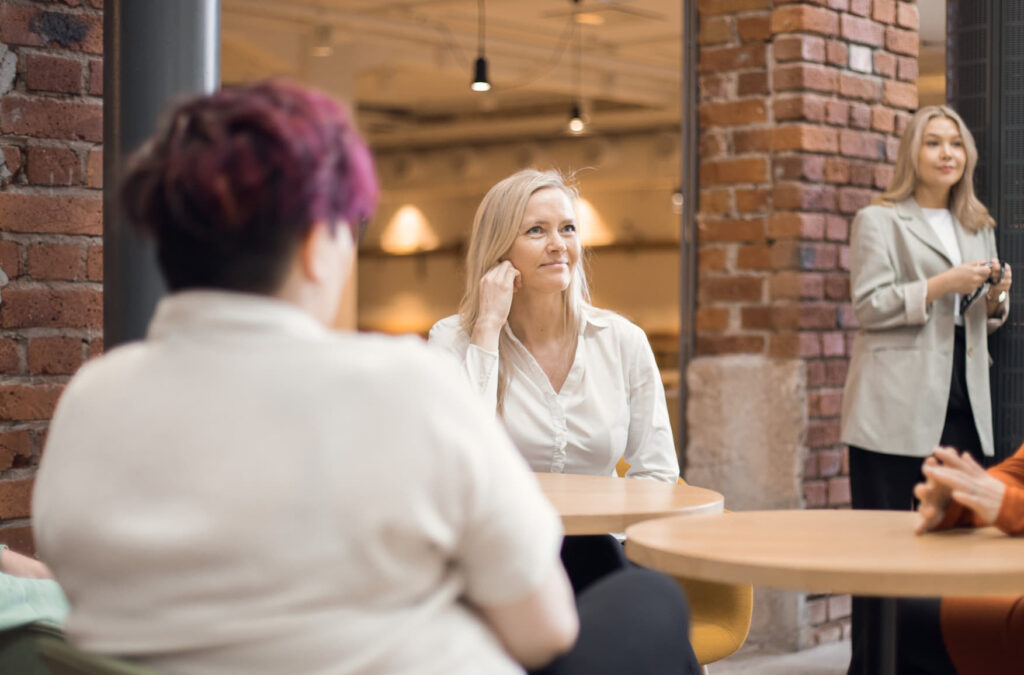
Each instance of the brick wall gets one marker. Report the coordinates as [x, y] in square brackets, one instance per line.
[801, 104]
[51, 160]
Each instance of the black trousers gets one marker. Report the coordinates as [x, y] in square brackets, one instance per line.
[589, 558]
[633, 621]
[882, 481]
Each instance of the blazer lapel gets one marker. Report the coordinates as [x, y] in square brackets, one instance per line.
[912, 217]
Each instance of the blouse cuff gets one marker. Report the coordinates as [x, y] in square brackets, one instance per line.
[482, 369]
[481, 357]
[915, 296]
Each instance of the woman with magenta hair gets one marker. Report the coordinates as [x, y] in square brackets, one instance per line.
[247, 491]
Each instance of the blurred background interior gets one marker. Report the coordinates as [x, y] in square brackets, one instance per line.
[407, 67]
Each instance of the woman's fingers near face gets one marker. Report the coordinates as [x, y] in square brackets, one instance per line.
[510, 276]
[495, 271]
[502, 273]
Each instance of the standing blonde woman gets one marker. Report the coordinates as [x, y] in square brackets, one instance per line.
[577, 387]
[927, 289]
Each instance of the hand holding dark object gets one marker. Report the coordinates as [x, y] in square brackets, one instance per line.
[964, 279]
[1000, 281]
[986, 270]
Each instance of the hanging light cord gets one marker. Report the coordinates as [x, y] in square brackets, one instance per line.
[579, 63]
[480, 28]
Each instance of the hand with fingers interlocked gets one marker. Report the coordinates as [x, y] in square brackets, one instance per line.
[952, 476]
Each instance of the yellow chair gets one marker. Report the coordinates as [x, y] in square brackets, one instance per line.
[719, 613]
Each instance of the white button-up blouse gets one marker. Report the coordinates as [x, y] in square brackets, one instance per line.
[611, 405]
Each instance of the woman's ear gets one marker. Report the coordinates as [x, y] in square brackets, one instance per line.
[327, 255]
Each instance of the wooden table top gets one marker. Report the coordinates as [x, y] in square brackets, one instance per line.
[601, 504]
[826, 551]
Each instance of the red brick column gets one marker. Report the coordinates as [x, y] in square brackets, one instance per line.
[51, 87]
[801, 104]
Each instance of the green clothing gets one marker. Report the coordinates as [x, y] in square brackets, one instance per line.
[24, 601]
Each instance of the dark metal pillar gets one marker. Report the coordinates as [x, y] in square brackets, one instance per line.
[688, 218]
[985, 84]
[154, 51]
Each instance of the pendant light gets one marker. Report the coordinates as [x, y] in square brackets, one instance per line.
[576, 123]
[480, 80]
[323, 41]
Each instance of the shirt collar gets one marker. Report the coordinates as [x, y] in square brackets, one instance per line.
[594, 317]
[225, 311]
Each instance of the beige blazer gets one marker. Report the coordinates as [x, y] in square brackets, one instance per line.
[898, 382]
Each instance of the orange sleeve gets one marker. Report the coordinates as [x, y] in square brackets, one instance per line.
[1010, 472]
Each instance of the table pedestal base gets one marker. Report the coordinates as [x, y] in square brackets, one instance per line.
[884, 637]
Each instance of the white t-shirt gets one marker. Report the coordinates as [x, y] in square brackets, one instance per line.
[941, 221]
[247, 492]
[611, 405]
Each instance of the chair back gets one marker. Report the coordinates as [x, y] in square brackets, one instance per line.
[720, 614]
[623, 466]
[18, 653]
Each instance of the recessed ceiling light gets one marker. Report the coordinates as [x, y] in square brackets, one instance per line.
[588, 18]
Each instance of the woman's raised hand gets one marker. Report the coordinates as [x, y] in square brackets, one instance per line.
[967, 483]
[496, 290]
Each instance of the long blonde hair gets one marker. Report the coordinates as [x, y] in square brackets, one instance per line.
[495, 228]
[963, 203]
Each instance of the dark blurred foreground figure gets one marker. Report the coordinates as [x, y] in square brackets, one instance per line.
[246, 491]
[983, 636]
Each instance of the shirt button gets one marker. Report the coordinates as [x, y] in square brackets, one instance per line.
[970, 351]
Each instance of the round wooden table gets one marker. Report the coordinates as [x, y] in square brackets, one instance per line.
[871, 553]
[602, 504]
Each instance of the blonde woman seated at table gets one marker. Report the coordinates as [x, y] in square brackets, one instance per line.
[576, 386]
[983, 636]
[248, 491]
